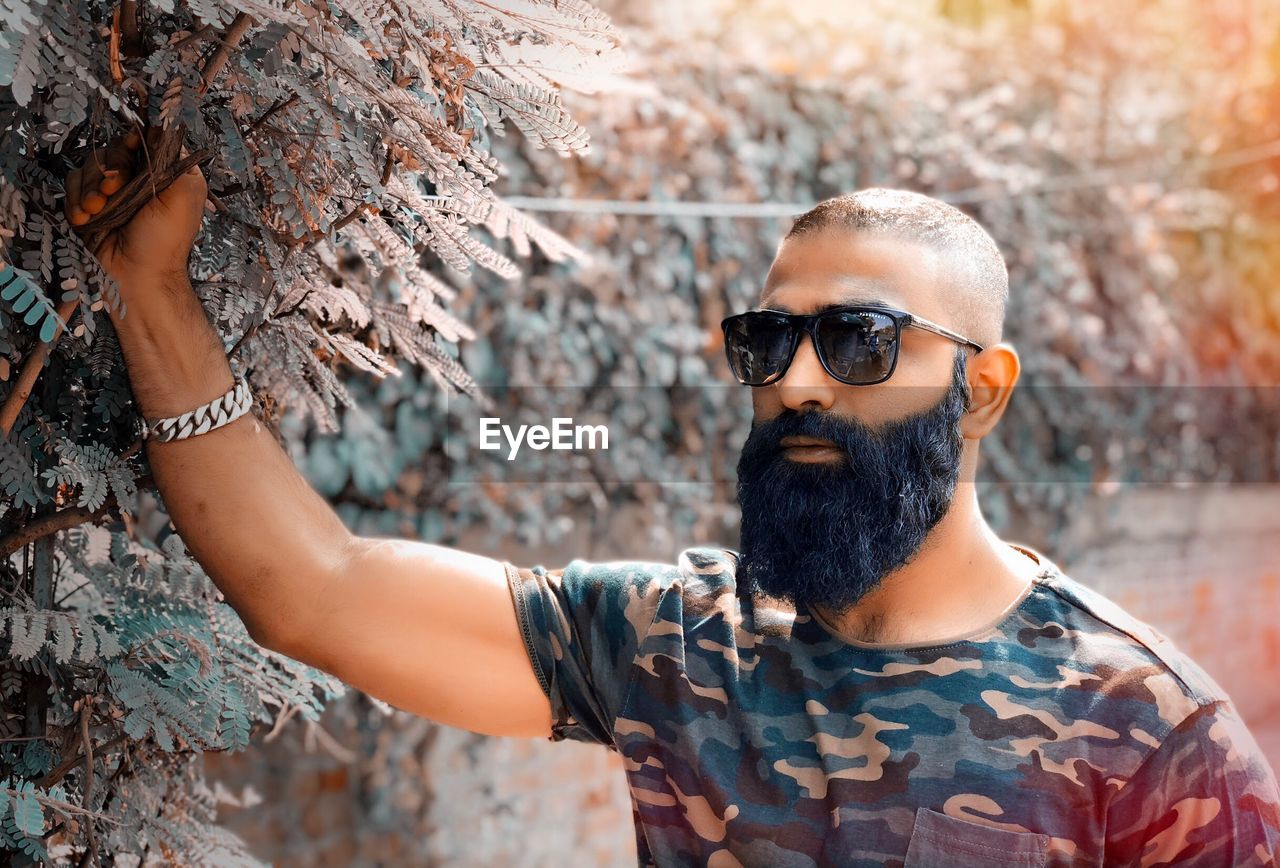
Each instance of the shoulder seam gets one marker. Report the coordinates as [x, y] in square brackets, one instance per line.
[1200, 700]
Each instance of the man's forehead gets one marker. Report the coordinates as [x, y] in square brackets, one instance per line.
[832, 291]
[829, 269]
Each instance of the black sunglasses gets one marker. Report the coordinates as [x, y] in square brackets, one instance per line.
[857, 344]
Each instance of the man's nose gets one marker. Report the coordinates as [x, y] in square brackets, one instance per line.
[806, 381]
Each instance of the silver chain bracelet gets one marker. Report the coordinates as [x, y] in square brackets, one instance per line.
[220, 411]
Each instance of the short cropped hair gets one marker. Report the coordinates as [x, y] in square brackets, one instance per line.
[977, 269]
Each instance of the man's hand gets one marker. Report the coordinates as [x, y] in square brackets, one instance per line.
[157, 241]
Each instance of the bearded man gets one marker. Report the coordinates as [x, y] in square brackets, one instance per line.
[875, 678]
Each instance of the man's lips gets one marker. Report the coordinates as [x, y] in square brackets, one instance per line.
[808, 449]
[804, 441]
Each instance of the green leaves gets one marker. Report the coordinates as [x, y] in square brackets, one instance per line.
[96, 470]
[23, 807]
[18, 288]
[28, 816]
[17, 478]
[173, 669]
[537, 112]
[30, 632]
[19, 55]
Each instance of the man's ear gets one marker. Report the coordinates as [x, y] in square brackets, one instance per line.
[992, 375]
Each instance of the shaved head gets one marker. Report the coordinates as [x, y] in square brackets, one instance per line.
[976, 279]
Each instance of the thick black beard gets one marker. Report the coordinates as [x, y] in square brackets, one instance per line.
[828, 533]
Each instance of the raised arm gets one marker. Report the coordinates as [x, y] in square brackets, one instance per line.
[428, 629]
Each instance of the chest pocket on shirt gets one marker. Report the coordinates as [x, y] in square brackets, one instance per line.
[939, 841]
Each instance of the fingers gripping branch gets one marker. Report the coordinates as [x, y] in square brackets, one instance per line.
[119, 179]
[141, 166]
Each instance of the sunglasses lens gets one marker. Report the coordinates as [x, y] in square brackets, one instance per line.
[857, 347]
[758, 346]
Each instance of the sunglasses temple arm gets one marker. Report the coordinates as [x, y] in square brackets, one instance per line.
[920, 322]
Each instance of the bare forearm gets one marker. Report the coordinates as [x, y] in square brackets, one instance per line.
[263, 535]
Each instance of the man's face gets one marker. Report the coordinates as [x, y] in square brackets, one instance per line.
[835, 266]
[824, 523]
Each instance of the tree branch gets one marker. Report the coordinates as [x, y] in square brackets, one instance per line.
[129, 28]
[113, 50]
[31, 367]
[61, 520]
[235, 31]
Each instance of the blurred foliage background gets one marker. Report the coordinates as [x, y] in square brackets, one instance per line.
[1125, 159]
[1125, 156]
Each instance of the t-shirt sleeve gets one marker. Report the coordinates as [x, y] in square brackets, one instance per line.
[1206, 796]
[582, 627]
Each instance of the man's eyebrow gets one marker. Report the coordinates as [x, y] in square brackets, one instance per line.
[862, 299]
[844, 302]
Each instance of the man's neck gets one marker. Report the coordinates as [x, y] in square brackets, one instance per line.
[963, 578]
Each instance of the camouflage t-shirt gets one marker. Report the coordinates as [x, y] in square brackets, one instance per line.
[1069, 733]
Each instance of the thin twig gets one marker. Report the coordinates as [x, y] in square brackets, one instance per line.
[65, 807]
[113, 50]
[343, 221]
[69, 594]
[60, 771]
[30, 370]
[235, 31]
[285, 714]
[191, 37]
[86, 712]
[278, 106]
[317, 733]
[253, 328]
[294, 309]
[360, 209]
